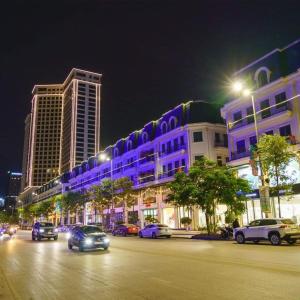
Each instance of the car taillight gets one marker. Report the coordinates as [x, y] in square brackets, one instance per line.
[283, 226]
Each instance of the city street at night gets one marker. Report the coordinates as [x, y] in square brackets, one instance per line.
[136, 268]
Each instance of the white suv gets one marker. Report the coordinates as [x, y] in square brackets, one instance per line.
[274, 230]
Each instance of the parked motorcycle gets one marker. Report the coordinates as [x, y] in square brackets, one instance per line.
[226, 232]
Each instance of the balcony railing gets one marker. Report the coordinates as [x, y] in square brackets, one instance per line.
[221, 144]
[267, 113]
[171, 150]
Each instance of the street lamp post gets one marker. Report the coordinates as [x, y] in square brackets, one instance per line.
[264, 189]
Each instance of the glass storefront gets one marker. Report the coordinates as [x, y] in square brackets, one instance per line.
[169, 217]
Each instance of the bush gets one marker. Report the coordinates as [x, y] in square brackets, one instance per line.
[151, 219]
[186, 221]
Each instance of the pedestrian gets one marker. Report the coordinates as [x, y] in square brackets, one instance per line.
[235, 223]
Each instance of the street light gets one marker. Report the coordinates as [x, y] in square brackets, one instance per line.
[239, 87]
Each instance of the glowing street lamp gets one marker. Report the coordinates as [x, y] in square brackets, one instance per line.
[238, 87]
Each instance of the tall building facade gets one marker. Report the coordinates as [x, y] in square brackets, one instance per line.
[24, 181]
[12, 189]
[64, 127]
[275, 81]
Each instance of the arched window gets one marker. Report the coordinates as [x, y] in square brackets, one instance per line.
[172, 123]
[262, 76]
[145, 137]
[164, 127]
[116, 152]
[129, 145]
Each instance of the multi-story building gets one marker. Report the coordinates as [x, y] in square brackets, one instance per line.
[24, 181]
[12, 190]
[64, 128]
[275, 83]
[150, 157]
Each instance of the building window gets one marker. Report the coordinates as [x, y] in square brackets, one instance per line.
[264, 106]
[145, 137]
[285, 130]
[164, 127]
[163, 148]
[253, 140]
[279, 101]
[237, 118]
[129, 145]
[172, 123]
[217, 137]
[250, 116]
[198, 137]
[270, 132]
[219, 160]
[262, 76]
[116, 152]
[175, 143]
[182, 140]
[240, 146]
[198, 157]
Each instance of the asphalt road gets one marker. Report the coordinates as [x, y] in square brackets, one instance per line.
[136, 268]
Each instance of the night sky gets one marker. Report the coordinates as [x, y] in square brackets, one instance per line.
[153, 55]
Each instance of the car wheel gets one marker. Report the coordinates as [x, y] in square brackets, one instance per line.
[70, 246]
[105, 248]
[39, 237]
[291, 241]
[141, 235]
[124, 233]
[275, 239]
[114, 234]
[256, 241]
[154, 235]
[168, 236]
[48, 239]
[33, 238]
[55, 238]
[240, 238]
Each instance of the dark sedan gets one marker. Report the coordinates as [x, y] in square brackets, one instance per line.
[125, 229]
[88, 237]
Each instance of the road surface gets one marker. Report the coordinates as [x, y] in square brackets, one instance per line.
[138, 269]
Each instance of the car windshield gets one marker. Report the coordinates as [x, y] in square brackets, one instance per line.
[161, 225]
[46, 225]
[287, 221]
[90, 229]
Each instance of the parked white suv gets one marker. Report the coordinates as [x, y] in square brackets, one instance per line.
[274, 230]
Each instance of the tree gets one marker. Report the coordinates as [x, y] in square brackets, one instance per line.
[45, 207]
[181, 192]
[215, 185]
[98, 200]
[186, 221]
[73, 202]
[126, 193]
[275, 155]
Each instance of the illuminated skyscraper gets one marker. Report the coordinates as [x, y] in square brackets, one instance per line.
[64, 127]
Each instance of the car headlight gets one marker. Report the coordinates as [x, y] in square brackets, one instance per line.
[68, 235]
[106, 240]
[41, 230]
[88, 241]
[55, 230]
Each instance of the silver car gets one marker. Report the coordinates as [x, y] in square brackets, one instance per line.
[155, 230]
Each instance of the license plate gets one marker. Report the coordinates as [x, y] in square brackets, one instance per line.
[97, 243]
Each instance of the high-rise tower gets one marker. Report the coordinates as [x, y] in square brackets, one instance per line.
[64, 127]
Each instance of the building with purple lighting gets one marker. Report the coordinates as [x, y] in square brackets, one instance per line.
[275, 82]
[150, 157]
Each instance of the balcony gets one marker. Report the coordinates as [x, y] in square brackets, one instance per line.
[221, 144]
[270, 112]
[171, 150]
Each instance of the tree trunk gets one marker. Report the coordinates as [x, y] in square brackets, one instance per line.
[207, 222]
[278, 196]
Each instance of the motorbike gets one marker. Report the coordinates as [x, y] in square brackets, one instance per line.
[226, 232]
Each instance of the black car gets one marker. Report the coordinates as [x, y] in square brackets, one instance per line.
[44, 230]
[88, 237]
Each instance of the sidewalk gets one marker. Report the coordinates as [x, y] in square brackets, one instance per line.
[186, 234]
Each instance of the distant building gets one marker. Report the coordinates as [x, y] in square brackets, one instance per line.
[64, 128]
[12, 189]
[275, 80]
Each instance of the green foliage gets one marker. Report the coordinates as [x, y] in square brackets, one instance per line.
[72, 201]
[4, 217]
[186, 221]
[97, 198]
[275, 155]
[150, 219]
